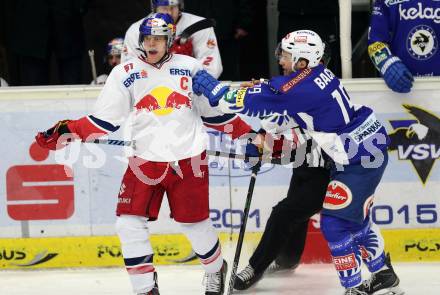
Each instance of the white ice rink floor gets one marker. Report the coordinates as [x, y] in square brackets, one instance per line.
[317, 279]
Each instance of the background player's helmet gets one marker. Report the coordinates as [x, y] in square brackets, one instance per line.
[115, 46]
[157, 24]
[304, 44]
[155, 3]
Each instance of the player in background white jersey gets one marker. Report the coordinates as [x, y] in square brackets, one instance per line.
[3, 83]
[202, 45]
[166, 120]
[112, 59]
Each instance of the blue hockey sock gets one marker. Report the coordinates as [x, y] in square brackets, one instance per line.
[345, 253]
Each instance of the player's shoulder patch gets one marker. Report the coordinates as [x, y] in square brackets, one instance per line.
[296, 80]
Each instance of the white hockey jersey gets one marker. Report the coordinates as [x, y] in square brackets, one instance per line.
[162, 114]
[204, 43]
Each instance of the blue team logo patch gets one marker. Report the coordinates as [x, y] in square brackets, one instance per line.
[422, 42]
[417, 140]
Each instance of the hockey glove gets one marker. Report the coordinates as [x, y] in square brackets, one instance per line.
[56, 137]
[204, 83]
[394, 72]
[182, 48]
[252, 152]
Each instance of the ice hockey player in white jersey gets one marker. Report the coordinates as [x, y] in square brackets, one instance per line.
[112, 59]
[166, 120]
[202, 44]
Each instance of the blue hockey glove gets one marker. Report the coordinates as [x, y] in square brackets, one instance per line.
[252, 152]
[204, 83]
[398, 77]
[394, 72]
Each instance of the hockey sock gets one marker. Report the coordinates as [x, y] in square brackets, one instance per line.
[345, 254]
[205, 243]
[371, 245]
[137, 251]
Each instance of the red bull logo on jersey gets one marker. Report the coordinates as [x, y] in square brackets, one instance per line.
[163, 101]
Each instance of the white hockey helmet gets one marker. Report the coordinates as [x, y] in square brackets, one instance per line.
[304, 44]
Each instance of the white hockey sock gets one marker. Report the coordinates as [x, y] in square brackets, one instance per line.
[137, 251]
[205, 243]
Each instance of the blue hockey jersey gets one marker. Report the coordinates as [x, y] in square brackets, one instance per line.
[318, 102]
[411, 28]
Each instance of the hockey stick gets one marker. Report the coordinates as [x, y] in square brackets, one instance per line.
[93, 65]
[195, 27]
[208, 152]
[247, 207]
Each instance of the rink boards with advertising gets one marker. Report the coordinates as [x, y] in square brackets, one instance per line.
[56, 204]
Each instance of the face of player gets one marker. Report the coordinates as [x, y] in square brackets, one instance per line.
[285, 61]
[172, 10]
[155, 47]
[113, 60]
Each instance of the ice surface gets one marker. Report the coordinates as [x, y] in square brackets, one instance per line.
[315, 279]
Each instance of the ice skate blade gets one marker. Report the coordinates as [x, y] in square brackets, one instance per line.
[390, 291]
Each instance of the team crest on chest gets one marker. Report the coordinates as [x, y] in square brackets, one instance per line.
[422, 42]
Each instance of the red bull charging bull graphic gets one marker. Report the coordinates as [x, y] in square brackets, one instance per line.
[162, 101]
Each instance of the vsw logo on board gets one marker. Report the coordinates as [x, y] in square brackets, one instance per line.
[417, 140]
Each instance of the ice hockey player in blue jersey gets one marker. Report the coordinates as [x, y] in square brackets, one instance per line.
[404, 41]
[349, 134]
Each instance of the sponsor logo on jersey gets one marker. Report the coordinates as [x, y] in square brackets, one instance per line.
[413, 13]
[378, 52]
[124, 200]
[163, 101]
[394, 2]
[180, 72]
[343, 263]
[211, 43]
[135, 76]
[417, 140]
[217, 88]
[338, 196]
[376, 46]
[241, 93]
[297, 79]
[369, 127]
[422, 42]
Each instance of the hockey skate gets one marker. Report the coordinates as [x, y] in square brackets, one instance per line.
[384, 282]
[355, 291]
[155, 290]
[246, 278]
[276, 267]
[215, 282]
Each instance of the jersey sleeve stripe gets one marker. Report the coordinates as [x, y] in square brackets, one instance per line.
[106, 126]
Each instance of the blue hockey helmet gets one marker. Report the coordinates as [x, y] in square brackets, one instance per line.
[157, 24]
[156, 3]
[115, 46]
